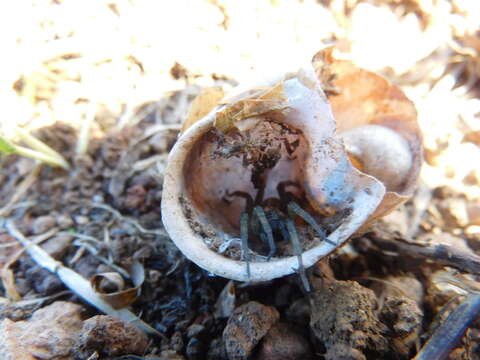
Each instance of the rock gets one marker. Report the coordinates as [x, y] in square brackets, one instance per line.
[343, 352]
[81, 220]
[404, 319]
[454, 211]
[49, 334]
[42, 224]
[176, 341]
[194, 349]
[344, 312]
[109, 336]
[64, 221]
[57, 246]
[248, 324]
[282, 343]
[194, 330]
[43, 281]
[216, 350]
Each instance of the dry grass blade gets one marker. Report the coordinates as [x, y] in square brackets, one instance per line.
[39, 151]
[84, 137]
[76, 282]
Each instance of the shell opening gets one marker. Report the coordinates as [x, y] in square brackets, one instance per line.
[261, 164]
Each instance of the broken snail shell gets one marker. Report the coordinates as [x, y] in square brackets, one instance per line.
[270, 164]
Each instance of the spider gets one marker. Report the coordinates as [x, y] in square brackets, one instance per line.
[275, 217]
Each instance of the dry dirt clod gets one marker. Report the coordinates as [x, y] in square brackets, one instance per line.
[281, 343]
[42, 224]
[109, 336]
[343, 352]
[343, 312]
[57, 246]
[248, 324]
[49, 334]
[404, 319]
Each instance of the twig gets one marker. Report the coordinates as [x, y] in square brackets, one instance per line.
[76, 282]
[440, 254]
[450, 331]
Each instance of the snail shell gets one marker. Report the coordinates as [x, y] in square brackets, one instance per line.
[280, 131]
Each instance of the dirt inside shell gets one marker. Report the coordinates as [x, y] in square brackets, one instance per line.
[227, 175]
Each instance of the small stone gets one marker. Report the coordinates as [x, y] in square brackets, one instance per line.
[454, 211]
[42, 224]
[248, 324]
[194, 349]
[344, 312]
[404, 318]
[474, 213]
[64, 221]
[216, 350]
[57, 246]
[194, 330]
[281, 343]
[176, 341]
[49, 334]
[110, 336]
[343, 352]
[81, 220]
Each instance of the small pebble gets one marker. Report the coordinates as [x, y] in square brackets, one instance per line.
[194, 348]
[81, 220]
[248, 324]
[64, 221]
[110, 336]
[42, 224]
[281, 343]
[57, 246]
[194, 330]
[48, 334]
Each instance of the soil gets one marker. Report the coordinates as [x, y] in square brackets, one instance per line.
[378, 297]
[363, 304]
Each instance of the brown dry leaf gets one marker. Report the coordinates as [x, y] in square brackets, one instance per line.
[202, 105]
[260, 102]
[121, 298]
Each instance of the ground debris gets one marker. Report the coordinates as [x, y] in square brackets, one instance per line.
[49, 334]
[109, 336]
[345, 313]
[282, 343]
[248, 324]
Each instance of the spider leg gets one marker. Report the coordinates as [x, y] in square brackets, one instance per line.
[294, 208]
[297, 250]
[244, 245]
[260, 213]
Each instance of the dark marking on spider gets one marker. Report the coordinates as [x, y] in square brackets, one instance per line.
[274, 217]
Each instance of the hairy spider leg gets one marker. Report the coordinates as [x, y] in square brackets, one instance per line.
[297, 250]
[244, 225]
[294, 208]
[244, 235]
[277, 223]
[260, 214]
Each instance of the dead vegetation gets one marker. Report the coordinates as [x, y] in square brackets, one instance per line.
[107, 85]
